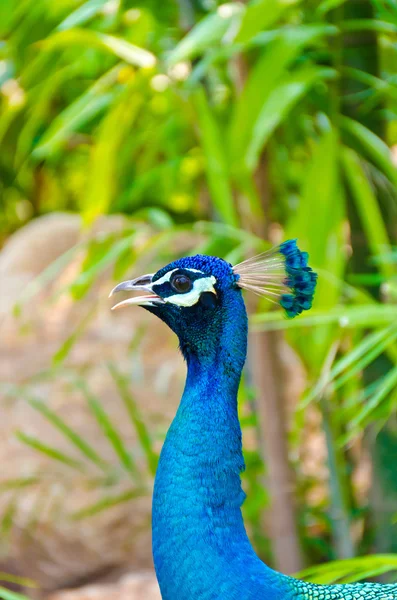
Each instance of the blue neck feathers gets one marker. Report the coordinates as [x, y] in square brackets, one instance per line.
[199, 541]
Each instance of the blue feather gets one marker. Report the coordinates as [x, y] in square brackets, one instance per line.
[300, 278]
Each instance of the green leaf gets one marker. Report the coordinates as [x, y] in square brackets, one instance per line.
[112, 134]
[352, 569]
[69, 433]
[366, 359]
[145, 440]
[81, 15]
[268, 72]
[372, 146]
[6, 594]
[107, 502]
[49, 451]
[352, 25]
[346, 317]
[118, 47]
[207, 33]
[275, 109]
[368, 208]
[386, 385]
[92, 269]
[111, 432]
[355, 361]
[21, 581]
[67, 346]
[216, 161]
[327, 5]
[7, 521]
[19, 483]
[78, 113]
[43, 280]
[260, 15]
[128, 52]
[322, 210]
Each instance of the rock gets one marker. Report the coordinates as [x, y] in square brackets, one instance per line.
[47, 541]
[132, 587]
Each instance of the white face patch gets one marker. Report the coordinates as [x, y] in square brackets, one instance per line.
[205, 284]
[165, 278]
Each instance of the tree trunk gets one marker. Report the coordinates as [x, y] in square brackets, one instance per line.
[269, 377]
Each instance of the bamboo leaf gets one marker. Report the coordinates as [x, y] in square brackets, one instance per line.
[352, 569]
[351, 25]
[111, 432]
[67, 346]
[145, 440]
[92, 269]
[107, 502]
[21, 581]
[366, 359]
[81, 15]
[275, 108]
[49, 451]
[113, 132]
[6, 594]
[216, 162]
[206, 33]
[19, 483]
[355, 361]
[367, 208]
[328, 5]
[260, 15]
[69, 433]
[268, 72]
[370, 315]
[78, 113]
[371, 341]
[387, 384]
[118, 47]
[128, 52]
[322, 209]
[373, 146]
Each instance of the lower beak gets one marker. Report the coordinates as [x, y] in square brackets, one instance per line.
[140, 284]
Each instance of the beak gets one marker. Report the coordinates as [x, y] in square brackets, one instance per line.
[140, 284]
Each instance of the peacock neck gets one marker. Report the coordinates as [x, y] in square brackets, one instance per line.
[198, 495]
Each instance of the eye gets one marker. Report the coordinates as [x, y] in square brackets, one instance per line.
[181, 283]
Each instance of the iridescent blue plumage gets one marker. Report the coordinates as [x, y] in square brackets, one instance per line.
[300, 278]
[200, 547]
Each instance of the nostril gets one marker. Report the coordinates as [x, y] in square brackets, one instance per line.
[144, 280]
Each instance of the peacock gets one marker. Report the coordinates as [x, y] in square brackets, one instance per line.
[201, 549]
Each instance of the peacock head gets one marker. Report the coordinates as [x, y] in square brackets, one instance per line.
[198, 295]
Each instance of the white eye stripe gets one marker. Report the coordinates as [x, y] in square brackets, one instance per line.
[205, 284]
[165, 278]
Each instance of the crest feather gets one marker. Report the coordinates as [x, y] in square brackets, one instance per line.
[282, 275]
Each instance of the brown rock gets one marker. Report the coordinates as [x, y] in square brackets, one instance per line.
[132, 587]
[46, 541]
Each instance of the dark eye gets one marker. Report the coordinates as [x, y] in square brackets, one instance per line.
[181, 283]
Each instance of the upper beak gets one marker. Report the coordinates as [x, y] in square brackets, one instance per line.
[140, 284]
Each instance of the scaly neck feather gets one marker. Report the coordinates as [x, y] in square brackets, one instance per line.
[199, 541]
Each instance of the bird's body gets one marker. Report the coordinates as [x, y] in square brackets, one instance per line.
[200, 546]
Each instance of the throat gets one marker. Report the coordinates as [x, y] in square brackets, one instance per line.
[198, 495]
[201, 461]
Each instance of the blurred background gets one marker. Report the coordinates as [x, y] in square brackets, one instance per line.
[136, 132]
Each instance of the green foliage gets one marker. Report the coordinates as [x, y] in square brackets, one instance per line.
[224, 123]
